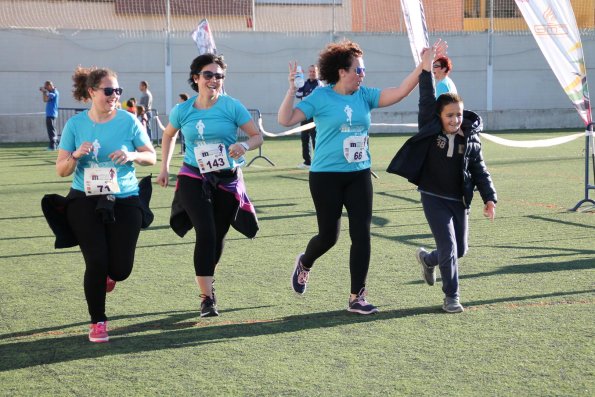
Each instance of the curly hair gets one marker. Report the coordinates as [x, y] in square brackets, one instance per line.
[200, 62]
[337, 56]
[85, 78]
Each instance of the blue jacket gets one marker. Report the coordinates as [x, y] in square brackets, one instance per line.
[409, 160]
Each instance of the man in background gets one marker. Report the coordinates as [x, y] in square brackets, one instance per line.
[146, 100]
[51, 98]
[308, 135]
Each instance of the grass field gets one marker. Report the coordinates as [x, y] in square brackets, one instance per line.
[527, 284]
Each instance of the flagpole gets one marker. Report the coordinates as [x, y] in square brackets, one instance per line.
[490, 66]
[168, 58]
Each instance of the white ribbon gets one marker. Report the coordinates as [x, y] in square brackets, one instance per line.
[532, 144]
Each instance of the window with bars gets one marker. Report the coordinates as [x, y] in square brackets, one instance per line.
[481, 9]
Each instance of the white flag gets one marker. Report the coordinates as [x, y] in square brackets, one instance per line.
[203, 37]
[553, 25]
[417, 30]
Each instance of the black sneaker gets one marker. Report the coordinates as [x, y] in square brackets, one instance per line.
[428, 273]
[299, 277]
[360, 305]
[208, 308]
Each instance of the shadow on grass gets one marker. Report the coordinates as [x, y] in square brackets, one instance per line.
[530, 268]
[399, 197]
[177, 330]
[546, 219]
[544, 267]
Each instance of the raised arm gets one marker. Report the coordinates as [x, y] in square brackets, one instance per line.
[390, 96]
[287, 114]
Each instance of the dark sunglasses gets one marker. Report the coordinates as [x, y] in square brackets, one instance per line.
[437, 66]
[109, 91]
[209, 75]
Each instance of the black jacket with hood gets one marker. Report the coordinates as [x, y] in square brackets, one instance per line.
[409, 160]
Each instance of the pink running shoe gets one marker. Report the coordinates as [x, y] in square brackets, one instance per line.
[98, 332]
[109, 285]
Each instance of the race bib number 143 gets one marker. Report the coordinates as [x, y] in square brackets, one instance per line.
[211, 157]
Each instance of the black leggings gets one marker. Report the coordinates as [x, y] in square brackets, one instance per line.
[330, 192]
[211, 216]
[108, 248]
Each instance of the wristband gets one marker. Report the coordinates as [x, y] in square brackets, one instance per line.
[245, 146]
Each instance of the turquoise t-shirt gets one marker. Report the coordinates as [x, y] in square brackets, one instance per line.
[445, 85]
[217, 125]
[124, 131]
[338, 117]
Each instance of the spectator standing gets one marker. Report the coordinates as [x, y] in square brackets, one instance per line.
[141, 115]
[51, 97]
[131, 105]
[183, 97]
[441, 68]
[146, 99]
[308, 136]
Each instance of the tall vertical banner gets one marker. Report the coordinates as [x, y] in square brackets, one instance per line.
[203, 37]
[554, 27]
[417, 30]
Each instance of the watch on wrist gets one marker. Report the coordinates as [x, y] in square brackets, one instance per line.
[245, 146]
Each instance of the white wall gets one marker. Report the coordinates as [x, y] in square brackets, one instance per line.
[526, 92]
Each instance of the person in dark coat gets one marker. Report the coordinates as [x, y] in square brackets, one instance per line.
[445, 161]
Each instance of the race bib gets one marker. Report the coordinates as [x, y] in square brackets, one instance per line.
[211, 157]
[101, 181]
[355, 148]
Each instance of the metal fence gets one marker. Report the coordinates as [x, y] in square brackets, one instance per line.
[257, 117]
[65, 113]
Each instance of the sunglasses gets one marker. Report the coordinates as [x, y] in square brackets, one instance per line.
[437, 66]
[359, 70]
[209, 75]
[109, 91]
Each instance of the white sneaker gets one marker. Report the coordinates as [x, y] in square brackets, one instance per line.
[452, 305]
[428, 273]
[303, 166]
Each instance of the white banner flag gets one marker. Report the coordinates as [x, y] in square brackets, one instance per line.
[203, 37]
[553, 25]
[417, 30]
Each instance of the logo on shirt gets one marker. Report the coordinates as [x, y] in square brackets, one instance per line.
[96, 147]
[441, 141]
[349, 112]
[200, 128]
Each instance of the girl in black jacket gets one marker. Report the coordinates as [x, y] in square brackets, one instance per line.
[445, 161]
